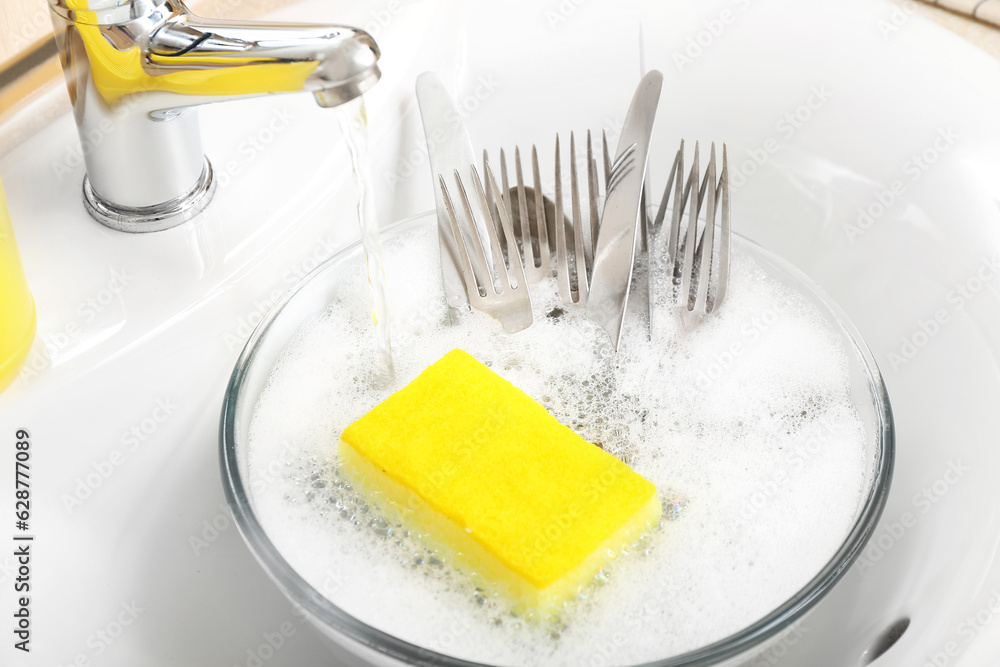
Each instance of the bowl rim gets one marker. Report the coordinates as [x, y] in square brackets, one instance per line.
[315, 604]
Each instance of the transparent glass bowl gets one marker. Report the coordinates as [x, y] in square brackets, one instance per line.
[311, 296]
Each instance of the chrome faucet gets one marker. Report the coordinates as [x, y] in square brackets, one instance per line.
[136, 71]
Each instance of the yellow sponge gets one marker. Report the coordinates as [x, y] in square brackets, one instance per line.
[483, 471]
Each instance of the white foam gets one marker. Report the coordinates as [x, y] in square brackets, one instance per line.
[760, 455]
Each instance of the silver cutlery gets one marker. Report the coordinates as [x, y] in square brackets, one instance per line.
[697, 265]
[449, 148]
[531, 231]
[535, 225]
[501, 292]
[575, 262]
[614, 256]
[504, 236]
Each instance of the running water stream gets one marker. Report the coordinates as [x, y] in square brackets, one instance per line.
[354, 124]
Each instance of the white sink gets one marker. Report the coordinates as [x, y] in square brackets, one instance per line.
[137, 560]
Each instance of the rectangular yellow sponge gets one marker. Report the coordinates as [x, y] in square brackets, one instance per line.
[483, 471]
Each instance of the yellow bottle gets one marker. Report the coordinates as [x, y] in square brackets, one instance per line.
[17, 308]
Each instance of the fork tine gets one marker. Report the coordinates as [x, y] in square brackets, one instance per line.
[471, 286]
[680, 194]
[578, 252]
[574, 193]
[493, 198]
[703, 189]
[505, 192]
[508, 230]
[510, 241]
[522, 212]
[725, 233]
[643, 219]
[477, 243]
[562, 261]
[502, 292]
[541, 269]
[687, 265]
[675, 170]
[662, 249]
[700, 271]
[593, 194]
[515, 312]
[607, 160]
[503, 276]
[706, 248]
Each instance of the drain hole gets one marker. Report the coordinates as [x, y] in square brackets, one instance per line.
[885, 641]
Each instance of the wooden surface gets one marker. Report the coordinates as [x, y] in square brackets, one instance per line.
[22, 23]
[984, 35]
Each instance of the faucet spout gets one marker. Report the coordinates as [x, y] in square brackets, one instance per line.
[138, 69]
[337, 62]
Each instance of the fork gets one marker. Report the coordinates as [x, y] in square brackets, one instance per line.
[503, 296]
[547, 232]
[532, 233]
[699, 272]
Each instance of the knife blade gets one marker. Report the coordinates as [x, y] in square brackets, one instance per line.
[614, 257]
[449, 148]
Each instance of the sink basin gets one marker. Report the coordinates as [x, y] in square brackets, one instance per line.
[139, 560]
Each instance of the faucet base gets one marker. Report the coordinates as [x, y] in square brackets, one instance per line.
[153, 218]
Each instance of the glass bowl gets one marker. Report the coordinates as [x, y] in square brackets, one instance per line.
[346, 633]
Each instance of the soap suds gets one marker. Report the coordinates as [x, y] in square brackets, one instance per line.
[746, 425]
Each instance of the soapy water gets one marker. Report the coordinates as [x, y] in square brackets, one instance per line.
[746, 426]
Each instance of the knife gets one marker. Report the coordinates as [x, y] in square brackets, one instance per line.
[448, 149]
[614, 257]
